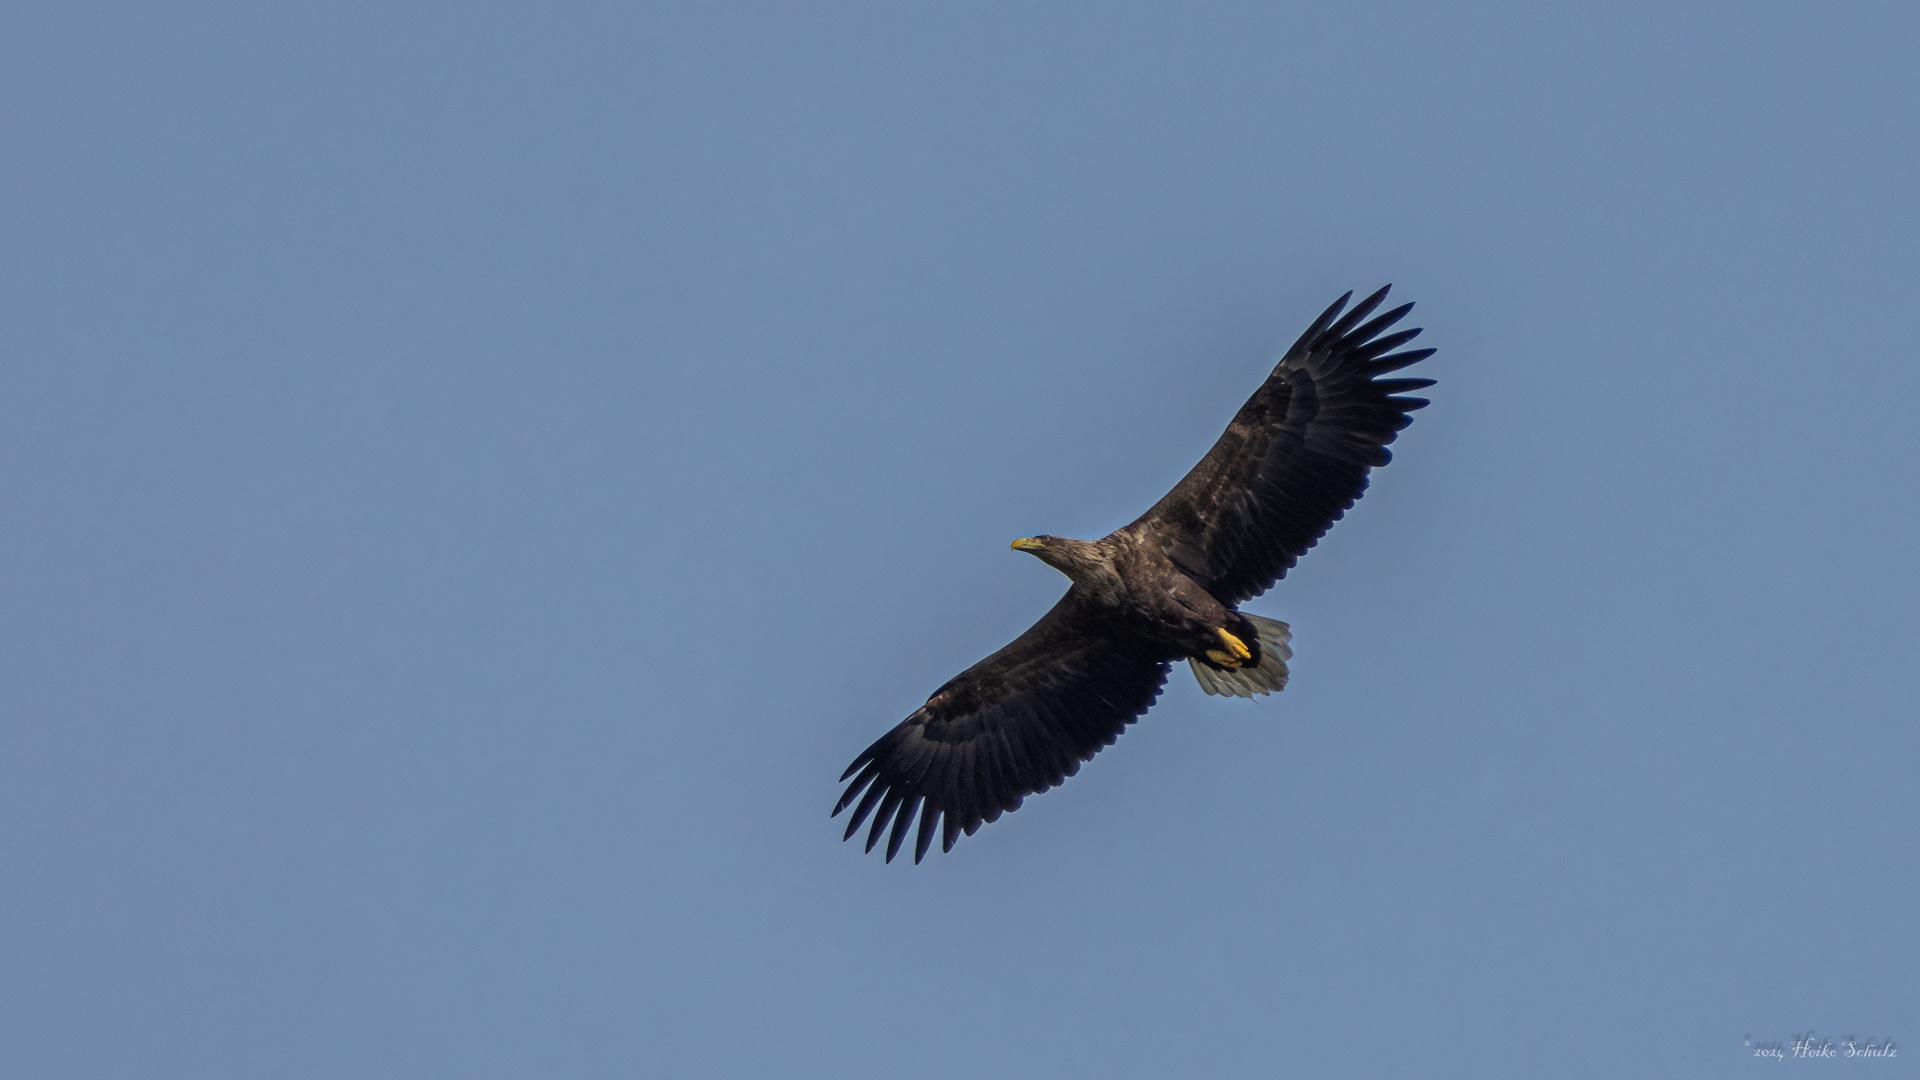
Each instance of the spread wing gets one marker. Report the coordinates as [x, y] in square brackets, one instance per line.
[1295, 457]
[1012, 725]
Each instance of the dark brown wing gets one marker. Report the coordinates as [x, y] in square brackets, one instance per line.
[1294, 458]
[1012, 725]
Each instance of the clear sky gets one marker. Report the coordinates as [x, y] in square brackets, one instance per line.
[474, 474]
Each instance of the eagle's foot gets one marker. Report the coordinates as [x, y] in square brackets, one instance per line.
[1234, 646]
[1234, 655]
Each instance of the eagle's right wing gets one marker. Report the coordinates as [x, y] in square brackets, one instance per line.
[1012, 725]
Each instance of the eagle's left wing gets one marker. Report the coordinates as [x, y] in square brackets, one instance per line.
[1294, 458]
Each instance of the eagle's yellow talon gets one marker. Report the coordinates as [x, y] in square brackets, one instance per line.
[1223, 659]
[1235, 646]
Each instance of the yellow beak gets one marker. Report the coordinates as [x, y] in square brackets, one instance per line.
[1027, 543]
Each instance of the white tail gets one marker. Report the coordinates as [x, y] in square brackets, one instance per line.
[1271, 675]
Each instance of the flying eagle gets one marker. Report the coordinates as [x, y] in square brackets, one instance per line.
[1292, 462]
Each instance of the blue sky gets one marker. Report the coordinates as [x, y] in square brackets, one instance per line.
[475, 474]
